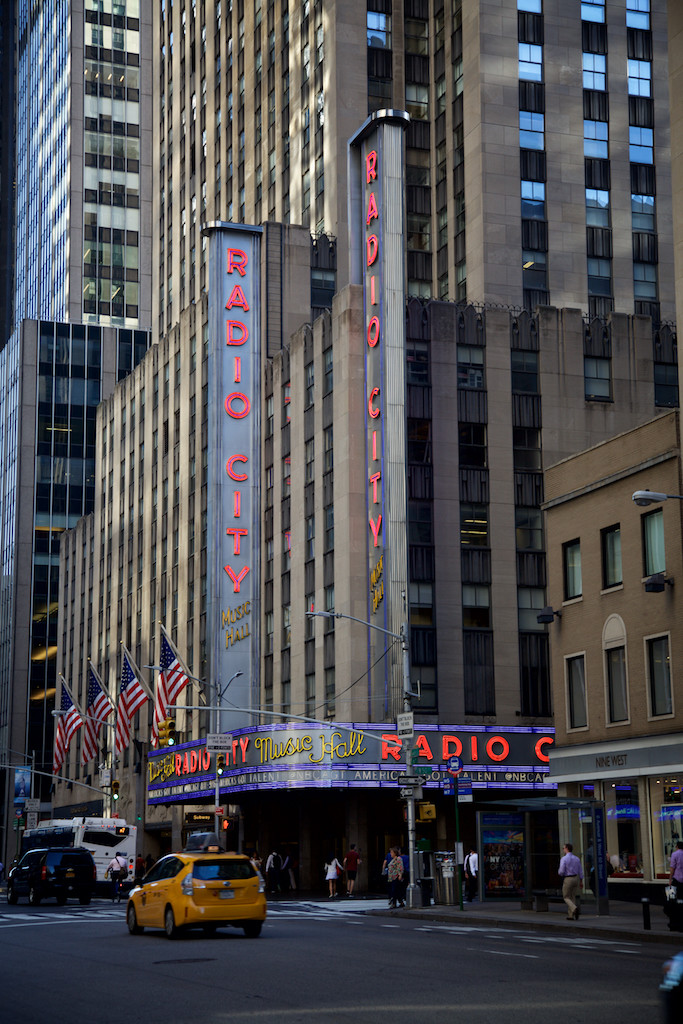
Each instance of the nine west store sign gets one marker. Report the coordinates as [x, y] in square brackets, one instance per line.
[298, 756]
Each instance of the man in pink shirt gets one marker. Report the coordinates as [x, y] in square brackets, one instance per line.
[571, 873]
[676, 873]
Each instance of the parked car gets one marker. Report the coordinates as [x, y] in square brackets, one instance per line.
[200, 887]
[58, 872]
[672, 989]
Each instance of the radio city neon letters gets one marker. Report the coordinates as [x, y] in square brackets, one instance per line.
[373, 337]
[237, 405]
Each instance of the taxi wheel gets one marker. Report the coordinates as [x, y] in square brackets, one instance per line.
[252, 929]
[11, 895]
[169, 924]
[132, 921]
[33, 896]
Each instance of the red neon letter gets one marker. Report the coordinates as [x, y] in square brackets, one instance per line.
[236, 579]
[373, 395]
[238, 369]
[371, 248]
[237, 298]
[375, 529]
[231, 337]
[231, 472]
[237, 505]
[373, 331]
[370, 166]
[373, 480]
[372, 213]
[393, 750]
[497, 741]
[473, 748]
[237, 395]
[540, 753]
[450, 746]
[236, 532]
[237, 260]
[424, 747]
[178, 764]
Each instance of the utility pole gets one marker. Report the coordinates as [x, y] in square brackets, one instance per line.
[412, 890]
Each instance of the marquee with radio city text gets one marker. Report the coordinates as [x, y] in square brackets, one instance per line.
[297, 756]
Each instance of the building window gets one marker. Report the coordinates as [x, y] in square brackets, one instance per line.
[576, 692]
[593, 10]
[286, 476]
[594, 71]
[666, 385]
[533, 200]
[472, 444]
[476, 606]
[529, 529]
[524, 366]
[571, 562]
[379, 30]
[641, 145]
[530, 601]
[328, 372]
[642, 212]
[617, 695]
[638, 14]
[595, 139]
[530, 62]
[531, 128]
[470, 366]
[310, 537]
[526, 449]
[417, 101]
[653, 542]
[417, 362]
[645, 281]
[610, 540]
[329, 527]
[599, 277]
[597, 208]
[309, 371]
[420, 522]
[328, 451]
[659, 676]
[309, 454]
[597, 378]
[639, 78]
[474, 525]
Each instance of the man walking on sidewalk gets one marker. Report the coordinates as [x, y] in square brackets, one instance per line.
[571, 873]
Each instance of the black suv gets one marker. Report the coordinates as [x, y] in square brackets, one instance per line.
[56, 871]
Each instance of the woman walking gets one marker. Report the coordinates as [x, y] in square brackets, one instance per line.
[395, 878]
[332, 871]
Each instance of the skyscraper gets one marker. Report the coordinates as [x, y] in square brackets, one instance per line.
[77, 85]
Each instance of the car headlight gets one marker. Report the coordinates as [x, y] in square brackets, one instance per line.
[187, 885]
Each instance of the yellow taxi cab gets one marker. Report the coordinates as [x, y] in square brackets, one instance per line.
[202, 887]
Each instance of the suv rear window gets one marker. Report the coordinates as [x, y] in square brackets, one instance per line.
[222, 870]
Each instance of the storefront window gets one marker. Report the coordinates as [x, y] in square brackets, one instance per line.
[624, 844]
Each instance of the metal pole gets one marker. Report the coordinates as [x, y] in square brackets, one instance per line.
[458, 876]
[217, 797]
[413, 888]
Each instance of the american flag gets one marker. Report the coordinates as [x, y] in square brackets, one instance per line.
[69, 722]
[170, 684]
[97, 710]
[132, 695]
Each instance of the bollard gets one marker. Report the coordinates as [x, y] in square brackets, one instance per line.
[646, 913]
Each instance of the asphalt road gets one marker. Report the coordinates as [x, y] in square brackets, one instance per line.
[315, 963]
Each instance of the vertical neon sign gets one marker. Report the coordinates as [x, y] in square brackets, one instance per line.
[234, 467]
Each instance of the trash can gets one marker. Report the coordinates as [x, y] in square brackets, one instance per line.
[445, 878]
[426, 884]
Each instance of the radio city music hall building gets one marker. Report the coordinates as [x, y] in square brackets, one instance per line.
[381, 462]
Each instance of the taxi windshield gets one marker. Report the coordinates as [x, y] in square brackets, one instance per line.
[222, 870]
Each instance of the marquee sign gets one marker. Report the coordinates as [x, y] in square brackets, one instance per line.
[297, 756]
[377, 233]
[234, 470]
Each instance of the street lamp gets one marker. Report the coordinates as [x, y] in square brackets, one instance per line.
[412, 890]
[645, 498]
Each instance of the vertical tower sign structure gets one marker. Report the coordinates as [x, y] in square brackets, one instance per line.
[233, 513]
[376, 215]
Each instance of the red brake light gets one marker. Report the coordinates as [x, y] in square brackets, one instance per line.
[43, 873]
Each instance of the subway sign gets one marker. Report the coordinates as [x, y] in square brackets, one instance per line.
[294, 756]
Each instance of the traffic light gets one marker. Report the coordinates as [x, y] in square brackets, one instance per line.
[220, 764]
[166, 732]
[115, 789]
[225, 824]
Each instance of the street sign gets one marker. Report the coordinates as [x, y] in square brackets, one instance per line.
[411, 780]
[454, 765]
[219, 810]
[423, 769]
[414, 791]
[465, 790]
[105, 777]
[218, 742]
[31, 804]
[404, 725]
[31, 819]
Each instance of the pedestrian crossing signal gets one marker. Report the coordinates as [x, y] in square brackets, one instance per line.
[220, 764]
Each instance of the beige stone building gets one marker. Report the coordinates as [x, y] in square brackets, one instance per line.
[616, 643]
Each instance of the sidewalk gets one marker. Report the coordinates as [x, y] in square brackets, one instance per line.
[625, 921]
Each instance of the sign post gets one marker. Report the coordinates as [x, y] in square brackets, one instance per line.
[455, 766]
